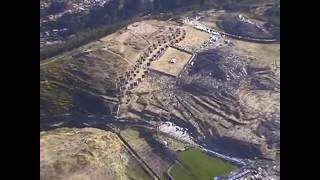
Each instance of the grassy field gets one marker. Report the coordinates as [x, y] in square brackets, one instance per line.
[163, 64]
[199, 165]
[146, 150]
[266, 54]
[194, 38]
[135, 171]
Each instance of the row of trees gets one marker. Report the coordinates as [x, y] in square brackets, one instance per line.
[89, 35]
[102, 21]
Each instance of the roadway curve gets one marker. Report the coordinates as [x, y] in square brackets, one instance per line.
[196, 24]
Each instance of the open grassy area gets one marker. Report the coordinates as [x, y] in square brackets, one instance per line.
[147, 149]
[199, 165]
[135, 171]
[163, 64]
[265, 53]
[194, 38]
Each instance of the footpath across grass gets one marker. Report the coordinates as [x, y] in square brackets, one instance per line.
[198, 165]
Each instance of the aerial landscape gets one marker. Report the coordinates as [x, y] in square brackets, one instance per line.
[159, 89]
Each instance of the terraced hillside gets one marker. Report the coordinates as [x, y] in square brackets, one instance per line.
[84, 81]
[155, 88]
[221, 95]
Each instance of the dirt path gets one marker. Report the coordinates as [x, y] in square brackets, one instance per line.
[128, 61]
[60, 57]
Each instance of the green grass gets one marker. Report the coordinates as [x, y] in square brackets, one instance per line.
[135, 171]
[199, 165]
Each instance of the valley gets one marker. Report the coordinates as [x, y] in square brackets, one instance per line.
[160, 89]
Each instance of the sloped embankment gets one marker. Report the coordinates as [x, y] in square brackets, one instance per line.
[90, 154]
[84, 84]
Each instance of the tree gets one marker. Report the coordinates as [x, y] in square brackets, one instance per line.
[131, 8]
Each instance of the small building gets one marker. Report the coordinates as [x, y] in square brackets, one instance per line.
[173, 60]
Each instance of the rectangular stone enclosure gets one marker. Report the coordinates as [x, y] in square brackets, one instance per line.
[171, 62]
